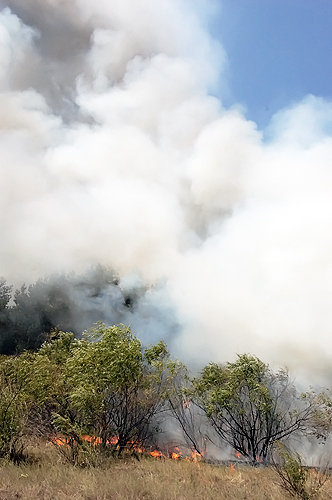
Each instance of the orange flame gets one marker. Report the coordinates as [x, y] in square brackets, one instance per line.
[113, 440]
[92, 439]
[95, 440]
[156, 454]
[60, 441]
[232, 467]
[195, 456]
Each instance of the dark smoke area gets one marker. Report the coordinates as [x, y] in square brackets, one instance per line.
[32, 314]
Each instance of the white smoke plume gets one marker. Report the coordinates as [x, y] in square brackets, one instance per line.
[114, 152]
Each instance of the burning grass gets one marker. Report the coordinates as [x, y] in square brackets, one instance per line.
[46, 477]
[94, 444]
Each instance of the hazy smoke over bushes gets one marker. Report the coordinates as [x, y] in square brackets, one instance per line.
[113, 152]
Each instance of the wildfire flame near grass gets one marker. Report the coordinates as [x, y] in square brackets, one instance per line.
[96, 440]
[164, 479]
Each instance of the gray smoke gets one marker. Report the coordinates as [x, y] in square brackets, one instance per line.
[114, 151]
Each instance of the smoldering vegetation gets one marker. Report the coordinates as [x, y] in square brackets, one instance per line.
[105, 396]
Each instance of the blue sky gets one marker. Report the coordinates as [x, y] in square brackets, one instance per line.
[278, 52]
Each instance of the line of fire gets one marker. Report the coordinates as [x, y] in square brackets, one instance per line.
[106, 395]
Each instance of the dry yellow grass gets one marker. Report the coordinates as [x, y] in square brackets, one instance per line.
[48, 478]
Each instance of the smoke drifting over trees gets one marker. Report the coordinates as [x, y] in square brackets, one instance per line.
[114, 152]
[33, 314]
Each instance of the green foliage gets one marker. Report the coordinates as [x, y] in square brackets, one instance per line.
[155, 353]
[235, 385]
[105, 357]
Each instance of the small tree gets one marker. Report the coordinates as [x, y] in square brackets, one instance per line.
[105, 386]
[250, 407]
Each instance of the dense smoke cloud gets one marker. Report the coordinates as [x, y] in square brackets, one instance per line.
[114, 152]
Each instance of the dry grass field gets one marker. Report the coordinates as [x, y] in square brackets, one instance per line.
[47, 477]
